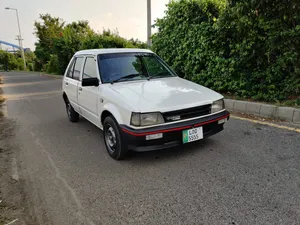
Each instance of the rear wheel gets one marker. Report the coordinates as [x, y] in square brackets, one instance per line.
[72, 114]
[112, 139]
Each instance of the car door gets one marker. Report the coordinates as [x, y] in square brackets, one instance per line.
[88, 96]
[72, 81]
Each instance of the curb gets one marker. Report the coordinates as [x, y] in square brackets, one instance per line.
[264, 110]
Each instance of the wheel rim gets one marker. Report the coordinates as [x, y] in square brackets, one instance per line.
[69, 110]
[110, 139]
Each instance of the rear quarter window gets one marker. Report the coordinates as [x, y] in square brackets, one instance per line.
[70, 69]
[77, 68]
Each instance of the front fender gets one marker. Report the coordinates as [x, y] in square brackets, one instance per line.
[112, 109]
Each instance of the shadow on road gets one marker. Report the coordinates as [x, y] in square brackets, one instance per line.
[163, 155]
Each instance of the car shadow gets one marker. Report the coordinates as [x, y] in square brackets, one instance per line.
[173, 153]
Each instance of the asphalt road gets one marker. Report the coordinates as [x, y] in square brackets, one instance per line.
[247, 174]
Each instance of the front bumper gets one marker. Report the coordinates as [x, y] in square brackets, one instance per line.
[135, 139]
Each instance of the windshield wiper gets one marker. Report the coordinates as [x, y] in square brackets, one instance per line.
[127, 77]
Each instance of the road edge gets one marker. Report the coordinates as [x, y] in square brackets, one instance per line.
[51, 75]
[288, 114]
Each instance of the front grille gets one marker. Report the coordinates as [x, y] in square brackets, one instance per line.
[184, 114]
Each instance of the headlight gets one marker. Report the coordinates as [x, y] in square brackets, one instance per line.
[218, 106]
[146, 119]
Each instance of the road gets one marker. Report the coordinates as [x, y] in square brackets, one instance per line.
[247, 174]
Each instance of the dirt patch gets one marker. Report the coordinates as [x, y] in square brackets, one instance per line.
[13, 207]
[9, 206]
[10, 196]
[269, 120]
[12, 210]
[1, 97]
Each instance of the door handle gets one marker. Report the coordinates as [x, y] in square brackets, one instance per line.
[66, 83]
[80, 88]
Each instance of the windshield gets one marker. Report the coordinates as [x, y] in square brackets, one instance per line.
[119, 67]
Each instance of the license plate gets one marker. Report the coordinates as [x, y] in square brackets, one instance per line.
[191, 135]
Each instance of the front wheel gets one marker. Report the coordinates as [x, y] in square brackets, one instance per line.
[113, 140]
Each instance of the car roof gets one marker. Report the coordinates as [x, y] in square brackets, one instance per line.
[112, 50]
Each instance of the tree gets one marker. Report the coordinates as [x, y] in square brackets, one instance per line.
[57, 42]
[48, 29]
[69, 41]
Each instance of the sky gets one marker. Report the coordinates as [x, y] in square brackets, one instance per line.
[128, 16]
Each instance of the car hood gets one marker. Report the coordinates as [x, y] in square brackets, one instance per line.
[164, 94]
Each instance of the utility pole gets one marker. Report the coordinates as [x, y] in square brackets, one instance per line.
[20, 36]
[149, 23]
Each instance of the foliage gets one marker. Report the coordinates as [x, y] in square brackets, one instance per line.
[246, 48]
[58, 41]
[30, 66]
[14, 61]
[53, 65]
[45, 31]
[20, 64]
[30, 60]
[69, 42]
[107, 39]
[8, 61]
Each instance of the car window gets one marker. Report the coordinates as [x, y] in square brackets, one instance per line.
[77, 68]
[115, 66]
[71, 69]
[90, 69]
[154, 68]
[130, 66]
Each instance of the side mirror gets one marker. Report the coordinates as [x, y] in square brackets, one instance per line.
[180, 74]
[88, 82]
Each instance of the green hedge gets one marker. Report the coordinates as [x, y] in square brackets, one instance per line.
[249, 49]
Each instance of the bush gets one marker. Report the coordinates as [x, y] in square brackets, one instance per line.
[30, 66]
[45, 67]
[8, 60]
[246, 48]
[20, 64]
[53, 65]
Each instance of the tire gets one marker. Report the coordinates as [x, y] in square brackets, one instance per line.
[72, 114]
[113, 140]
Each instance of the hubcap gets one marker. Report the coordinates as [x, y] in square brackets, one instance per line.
[110, 139]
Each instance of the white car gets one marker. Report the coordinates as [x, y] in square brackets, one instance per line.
[138, 101]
